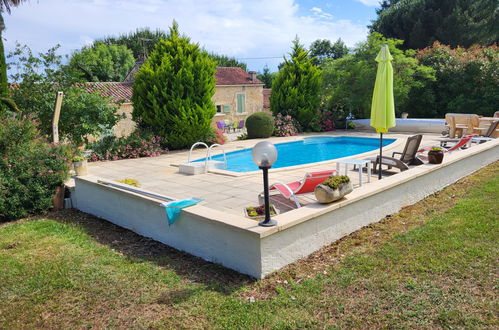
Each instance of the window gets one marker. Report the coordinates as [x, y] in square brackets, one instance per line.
[241, 103]
[219, 108]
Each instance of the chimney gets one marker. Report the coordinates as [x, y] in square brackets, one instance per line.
[252, 75]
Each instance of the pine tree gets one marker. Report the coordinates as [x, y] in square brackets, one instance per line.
[295, 88]
[173, 90]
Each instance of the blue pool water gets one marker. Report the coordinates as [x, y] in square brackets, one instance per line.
[306, 151]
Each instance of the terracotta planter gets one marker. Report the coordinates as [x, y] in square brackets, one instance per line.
[326, 194]
[58, 198]
[81, 168]
[435, 156]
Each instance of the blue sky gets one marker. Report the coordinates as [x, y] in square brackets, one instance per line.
[251, 30]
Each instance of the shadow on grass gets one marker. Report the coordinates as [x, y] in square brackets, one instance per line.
[140, 249]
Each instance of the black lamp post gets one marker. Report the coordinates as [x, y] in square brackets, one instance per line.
[264, 156]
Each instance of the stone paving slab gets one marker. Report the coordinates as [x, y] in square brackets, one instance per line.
[222, 192]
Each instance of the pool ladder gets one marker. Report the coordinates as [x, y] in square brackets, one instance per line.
[208, 158]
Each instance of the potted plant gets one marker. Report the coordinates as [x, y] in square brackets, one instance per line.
[351, 125]
[334, 188]
[258, 212]
[436, 155]
[80, 165]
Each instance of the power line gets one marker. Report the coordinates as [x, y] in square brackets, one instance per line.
[257, 58]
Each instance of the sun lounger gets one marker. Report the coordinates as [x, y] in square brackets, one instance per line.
[407, 156]
[304, 186]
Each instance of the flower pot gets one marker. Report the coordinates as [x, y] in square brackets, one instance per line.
[81, 168]
[58, 198]
[435, 156]
[326, 194]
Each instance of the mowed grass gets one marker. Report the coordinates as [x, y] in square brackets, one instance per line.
[434, 264]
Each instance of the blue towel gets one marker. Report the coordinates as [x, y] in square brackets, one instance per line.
[173, 208]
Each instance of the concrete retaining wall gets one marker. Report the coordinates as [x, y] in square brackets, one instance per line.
[408, 125]
[240, 244]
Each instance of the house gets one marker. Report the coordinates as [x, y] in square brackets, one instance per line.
[238, 94]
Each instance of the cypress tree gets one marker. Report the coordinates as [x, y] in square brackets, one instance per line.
[295, 89]
[173, 89]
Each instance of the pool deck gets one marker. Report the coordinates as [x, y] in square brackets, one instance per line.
[227, 193]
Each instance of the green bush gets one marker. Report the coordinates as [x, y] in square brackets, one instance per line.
[260, 125]
[133, 146]
[30, 169]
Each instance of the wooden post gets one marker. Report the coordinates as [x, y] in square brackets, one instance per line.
[55, 119]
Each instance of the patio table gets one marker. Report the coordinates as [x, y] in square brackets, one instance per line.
[360, 163]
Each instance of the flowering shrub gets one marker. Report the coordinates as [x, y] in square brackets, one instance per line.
[217, 136]
[326, 123]
[133, 146]
[285, 125]
[30, 169]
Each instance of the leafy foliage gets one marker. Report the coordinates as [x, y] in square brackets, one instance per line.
[453, 22]
[323, 50]
[259, 125]
[173, 89]
[133, 146]
[266, 77]
[30, 169]
[335, 181]
[141, 41]
[103, 62]
[285, 125]
[40, 78]
[348, 82]
[294, 90]
[223, 60]
[466, 81]
[217, 136]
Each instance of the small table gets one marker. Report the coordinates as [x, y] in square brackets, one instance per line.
[361, 163]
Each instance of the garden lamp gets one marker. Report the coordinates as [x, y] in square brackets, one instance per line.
[264, 156]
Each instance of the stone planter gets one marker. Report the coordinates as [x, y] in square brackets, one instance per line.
[81, 168]
[435, 156]
[326, 194]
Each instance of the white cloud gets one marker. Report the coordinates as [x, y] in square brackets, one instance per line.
[240, 28]
[370, 3]
[320, 13]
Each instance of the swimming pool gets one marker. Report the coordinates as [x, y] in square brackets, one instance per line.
[306, 151]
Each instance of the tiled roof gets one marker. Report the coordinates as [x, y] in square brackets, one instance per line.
[234, 76]
[122, 91]
[266, 98]
[117, 91]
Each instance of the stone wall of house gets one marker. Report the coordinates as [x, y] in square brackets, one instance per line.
[226, 97]
[125, 126]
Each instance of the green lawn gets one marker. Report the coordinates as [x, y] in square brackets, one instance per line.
[434, 264]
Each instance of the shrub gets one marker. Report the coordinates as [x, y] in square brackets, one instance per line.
[133, 146]
[260, 125]
[334, 181]
[216, 136]
[285, 125]
[30, 169]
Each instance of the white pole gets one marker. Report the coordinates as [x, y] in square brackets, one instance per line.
[55, 119]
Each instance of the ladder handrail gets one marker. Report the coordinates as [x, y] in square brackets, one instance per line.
[223, 150]
[207, 154]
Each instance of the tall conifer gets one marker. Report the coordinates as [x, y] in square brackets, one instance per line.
[173, 89]
[295, 88]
